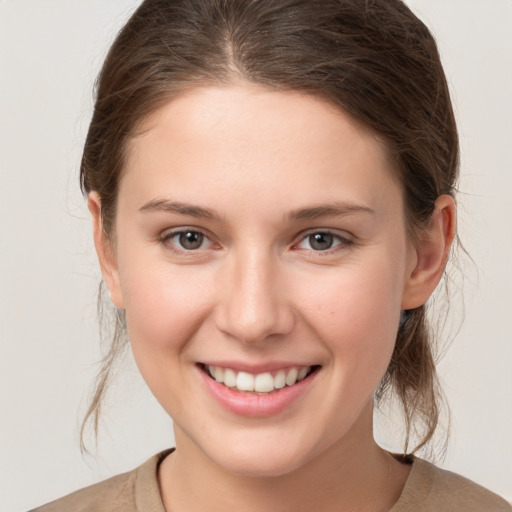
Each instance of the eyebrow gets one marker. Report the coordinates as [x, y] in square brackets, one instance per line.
[163, 205]
[335, 209]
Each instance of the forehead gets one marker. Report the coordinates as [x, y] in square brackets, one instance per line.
[248, 139]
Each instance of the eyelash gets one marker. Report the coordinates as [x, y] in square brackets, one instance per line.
[167, 238]
[343, 242]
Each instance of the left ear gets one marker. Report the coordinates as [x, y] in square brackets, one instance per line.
[431, 253]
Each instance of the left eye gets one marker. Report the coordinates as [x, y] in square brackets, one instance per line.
[188, 240]
[321, 241]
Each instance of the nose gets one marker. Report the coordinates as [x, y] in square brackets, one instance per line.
[253, 305]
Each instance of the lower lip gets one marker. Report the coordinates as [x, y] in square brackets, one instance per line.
[256, 405]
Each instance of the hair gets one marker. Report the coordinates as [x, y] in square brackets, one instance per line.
[374, 59]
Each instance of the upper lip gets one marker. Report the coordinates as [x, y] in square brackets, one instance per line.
[271, 366]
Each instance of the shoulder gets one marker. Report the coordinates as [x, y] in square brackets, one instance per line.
[125, 492]
[430, 488]
[107, 495]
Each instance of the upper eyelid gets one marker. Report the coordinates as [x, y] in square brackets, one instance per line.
[343, 235]
[170, 232]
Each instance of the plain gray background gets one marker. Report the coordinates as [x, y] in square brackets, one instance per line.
[50, 53]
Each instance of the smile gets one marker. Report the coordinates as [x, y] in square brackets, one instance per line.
[243, 392]
[262, 383]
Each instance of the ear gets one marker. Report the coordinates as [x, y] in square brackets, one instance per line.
[105, 251]
[430, 254]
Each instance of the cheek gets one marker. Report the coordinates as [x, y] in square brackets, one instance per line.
[165, 305]
[165, 308]
[355, 311]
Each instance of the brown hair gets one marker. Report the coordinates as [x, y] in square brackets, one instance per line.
[372, 58]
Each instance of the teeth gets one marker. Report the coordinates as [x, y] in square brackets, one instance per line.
[264, 383]
[219, 374]
[229, 378]
[245, 381]
[302, 373]
[291, 377]
[261, 383]
[280, 379]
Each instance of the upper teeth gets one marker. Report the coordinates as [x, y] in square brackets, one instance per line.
[262, 382]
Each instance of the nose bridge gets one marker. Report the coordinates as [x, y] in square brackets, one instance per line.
[254, 305]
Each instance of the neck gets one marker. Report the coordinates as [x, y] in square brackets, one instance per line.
[355, 474]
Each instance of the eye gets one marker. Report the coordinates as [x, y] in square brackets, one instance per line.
[322, 241]
[186, 240]
[190, 240]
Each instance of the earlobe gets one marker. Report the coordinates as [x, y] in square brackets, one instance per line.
[431, 254]
[105, 251]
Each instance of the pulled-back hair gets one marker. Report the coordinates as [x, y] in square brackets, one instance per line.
[374, 59]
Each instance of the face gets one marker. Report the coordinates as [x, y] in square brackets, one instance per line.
[262, 259]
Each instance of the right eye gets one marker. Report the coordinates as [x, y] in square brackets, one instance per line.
[186, 240]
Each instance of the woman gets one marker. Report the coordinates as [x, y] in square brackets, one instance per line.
[271, 186]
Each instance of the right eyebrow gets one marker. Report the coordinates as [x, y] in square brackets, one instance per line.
[164, 205]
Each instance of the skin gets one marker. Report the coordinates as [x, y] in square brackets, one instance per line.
[257, 292]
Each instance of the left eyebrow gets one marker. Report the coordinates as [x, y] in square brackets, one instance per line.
[329, 210]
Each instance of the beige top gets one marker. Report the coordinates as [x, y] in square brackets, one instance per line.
[428, 489]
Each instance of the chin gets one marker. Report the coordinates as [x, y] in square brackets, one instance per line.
[265, 457]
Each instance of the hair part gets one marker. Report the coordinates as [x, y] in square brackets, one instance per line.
[374, 59]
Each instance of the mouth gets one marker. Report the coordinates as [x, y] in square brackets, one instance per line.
[261, 384]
